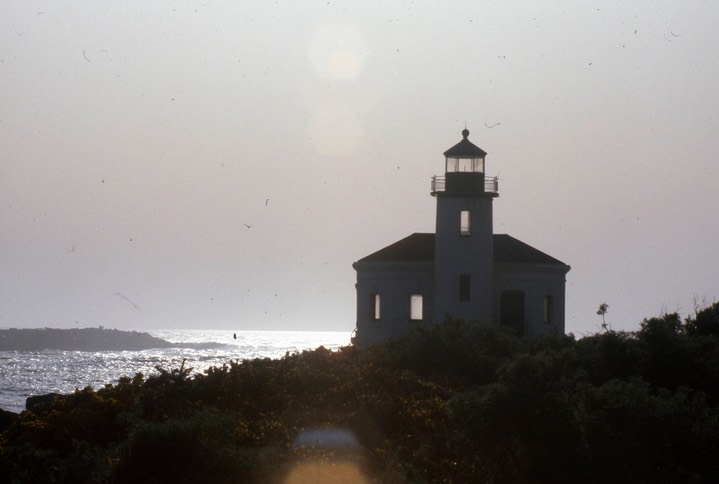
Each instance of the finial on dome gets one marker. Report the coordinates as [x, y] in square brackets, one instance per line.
[465, 133]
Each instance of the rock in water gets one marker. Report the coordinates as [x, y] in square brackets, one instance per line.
[85, 339]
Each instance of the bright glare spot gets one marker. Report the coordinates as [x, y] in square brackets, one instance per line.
[337, 52]
[343, 64]
[335, 452]
[325, 472]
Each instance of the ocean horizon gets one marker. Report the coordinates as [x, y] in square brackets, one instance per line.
[27, 373]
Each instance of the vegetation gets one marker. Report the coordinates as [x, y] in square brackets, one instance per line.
[457, 402]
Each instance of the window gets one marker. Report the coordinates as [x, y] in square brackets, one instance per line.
[464, 222]
[375, 307]
[464, 287]
[415, 307]
[465, 164]
[457, 164]
[547, 309]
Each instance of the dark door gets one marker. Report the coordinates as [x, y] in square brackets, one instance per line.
[511, 310]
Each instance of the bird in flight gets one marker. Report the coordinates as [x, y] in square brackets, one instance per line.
[248, 226]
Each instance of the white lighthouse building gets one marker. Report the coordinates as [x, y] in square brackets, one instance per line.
[463, 270]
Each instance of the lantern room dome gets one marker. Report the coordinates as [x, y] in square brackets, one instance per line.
[465, 148]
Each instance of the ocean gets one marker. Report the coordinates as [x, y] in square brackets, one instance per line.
[26, 373]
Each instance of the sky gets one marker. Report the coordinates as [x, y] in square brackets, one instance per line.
[222, 164]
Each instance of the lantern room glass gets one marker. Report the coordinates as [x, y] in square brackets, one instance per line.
[455, 164]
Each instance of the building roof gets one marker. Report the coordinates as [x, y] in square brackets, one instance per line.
[465, 148]
[507, 249]
[413, 248]
[419, 247]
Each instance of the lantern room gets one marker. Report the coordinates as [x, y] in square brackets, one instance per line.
[464, 172]
[464, 156]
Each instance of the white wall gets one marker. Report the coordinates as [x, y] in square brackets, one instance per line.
[394, 282]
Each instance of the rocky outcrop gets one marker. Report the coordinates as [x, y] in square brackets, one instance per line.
[85, 339]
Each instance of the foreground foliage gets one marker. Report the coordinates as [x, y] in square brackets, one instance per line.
[458, 402]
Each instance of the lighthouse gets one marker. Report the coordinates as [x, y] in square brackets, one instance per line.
[463, 252]
[463, 270]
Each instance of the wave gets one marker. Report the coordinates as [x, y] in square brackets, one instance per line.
[203, 346]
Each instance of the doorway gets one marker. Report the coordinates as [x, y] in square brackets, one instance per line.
[511, 311]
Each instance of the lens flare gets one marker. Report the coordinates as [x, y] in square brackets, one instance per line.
[337, 52]
[325, 472]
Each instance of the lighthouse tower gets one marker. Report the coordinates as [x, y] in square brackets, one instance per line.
[464, 254]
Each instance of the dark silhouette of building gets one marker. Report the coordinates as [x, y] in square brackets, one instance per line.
[463, 270]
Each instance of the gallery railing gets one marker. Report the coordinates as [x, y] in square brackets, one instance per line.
[491, 184]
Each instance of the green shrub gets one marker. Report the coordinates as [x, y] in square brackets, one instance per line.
[205, 447]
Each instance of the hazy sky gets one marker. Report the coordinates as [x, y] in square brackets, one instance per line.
[139, 140]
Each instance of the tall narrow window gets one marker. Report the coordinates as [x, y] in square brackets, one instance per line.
[465, 288]
[464, 222]
[375, 307]
[415, 307]
[547, 309]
